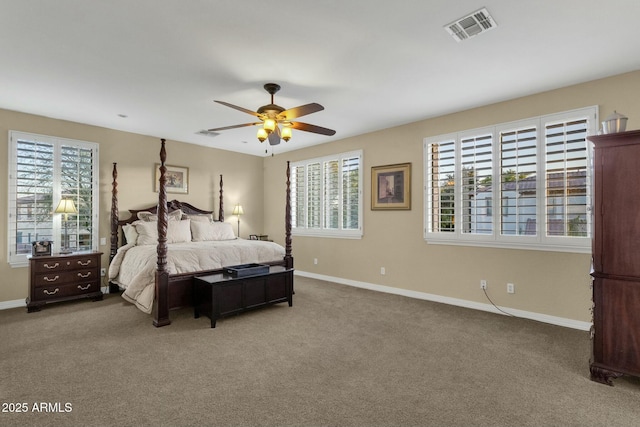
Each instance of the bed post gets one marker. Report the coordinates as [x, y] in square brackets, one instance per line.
[221, 210]
[288, 259]
[114, 222]
[161, 301]
[114, 213]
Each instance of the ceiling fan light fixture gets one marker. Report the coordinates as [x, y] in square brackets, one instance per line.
[269, 125]
[277, 123]
[285, 133]
[262, 134]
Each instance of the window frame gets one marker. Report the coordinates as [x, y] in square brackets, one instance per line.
[322, 230]
[539, 241]
[21, 259]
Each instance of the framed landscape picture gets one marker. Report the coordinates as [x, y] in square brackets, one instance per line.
[177, 179]
[391, 187]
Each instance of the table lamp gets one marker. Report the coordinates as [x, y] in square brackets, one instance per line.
[66, 207]
[237, 210]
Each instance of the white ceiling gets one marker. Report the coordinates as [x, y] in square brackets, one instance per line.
[371, 64]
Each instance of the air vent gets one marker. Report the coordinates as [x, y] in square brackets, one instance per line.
[207, 133]
[476, 23]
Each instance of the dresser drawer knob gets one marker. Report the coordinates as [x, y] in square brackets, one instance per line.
[84, 288]
[84, 263]
[48, 279]
[84, 276]
[56, 265]
[46, 291]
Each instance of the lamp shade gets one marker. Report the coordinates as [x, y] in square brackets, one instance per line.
[262, 134]
[66, 206]
[286, 133]
[269, 125]
[237, 210]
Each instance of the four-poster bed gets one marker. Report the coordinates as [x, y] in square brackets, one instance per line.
[169, 285]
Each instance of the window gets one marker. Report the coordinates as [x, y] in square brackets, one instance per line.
[326, 196]
[537, 172]
[42, 171]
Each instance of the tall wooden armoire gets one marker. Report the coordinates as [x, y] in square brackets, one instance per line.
[616, 256]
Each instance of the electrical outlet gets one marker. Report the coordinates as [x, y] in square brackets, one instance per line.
[383, 271]
[315, 261]
[511, 288]
[103, 272]
[483, 284]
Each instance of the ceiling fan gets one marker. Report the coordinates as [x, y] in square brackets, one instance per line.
[277, 122]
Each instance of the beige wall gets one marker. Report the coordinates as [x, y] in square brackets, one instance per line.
[136, 156]
[549, 283]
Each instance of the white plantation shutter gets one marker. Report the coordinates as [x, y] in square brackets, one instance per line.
[531, 190]
[566, 163]
[76, 182]
[351, 193]
[42, 170]
[31, 206]
[298, 217]
[476, 171]
[326, 196]
[518, 172]
[441, 188]
[331, 194]
[314, 195]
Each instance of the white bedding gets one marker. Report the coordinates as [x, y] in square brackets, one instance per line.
[134, 267]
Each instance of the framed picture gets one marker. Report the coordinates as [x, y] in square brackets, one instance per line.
[391, 187]
[177, 179]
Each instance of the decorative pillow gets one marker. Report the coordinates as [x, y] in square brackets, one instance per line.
[179, 231]
[198, 217]
[148, 216]
[147, 232]
[130, 233]
[208, 231]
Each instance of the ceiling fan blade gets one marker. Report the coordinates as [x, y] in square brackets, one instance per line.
[312, 128]
[234, 126]
[303, 110]
[235, 107]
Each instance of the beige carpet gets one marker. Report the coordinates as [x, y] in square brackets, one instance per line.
[341, 356]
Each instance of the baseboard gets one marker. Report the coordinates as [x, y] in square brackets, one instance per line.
[5, 305]
[559, 321]
[553, 320]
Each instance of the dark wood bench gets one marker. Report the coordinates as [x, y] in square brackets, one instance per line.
[218, 295]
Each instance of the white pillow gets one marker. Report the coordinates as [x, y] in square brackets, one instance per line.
[148, 216]
[179, 231]
[147, 232]
[199, 217]
[130, 233]
[208, 231]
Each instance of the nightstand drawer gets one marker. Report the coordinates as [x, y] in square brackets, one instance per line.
[62, 291]
[64, 277]
[58, 264]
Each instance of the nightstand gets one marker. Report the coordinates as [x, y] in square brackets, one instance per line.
[59, 277]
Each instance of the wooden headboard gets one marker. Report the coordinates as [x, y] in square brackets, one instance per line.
[117, 236]
[173, 205]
